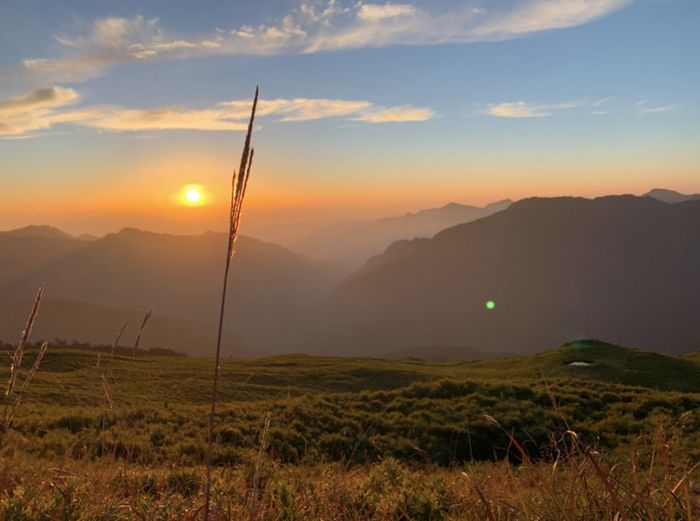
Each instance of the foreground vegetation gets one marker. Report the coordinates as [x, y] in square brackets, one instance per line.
[328, 438]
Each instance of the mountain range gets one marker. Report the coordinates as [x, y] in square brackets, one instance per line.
[622, 268]
[352, 243]
[124, 274]
[671, 196]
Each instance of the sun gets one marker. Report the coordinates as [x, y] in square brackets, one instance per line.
[192, 195]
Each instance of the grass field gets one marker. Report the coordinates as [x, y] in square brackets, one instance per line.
[359, 438]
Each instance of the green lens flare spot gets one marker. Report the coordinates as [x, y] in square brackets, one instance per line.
[490, 304]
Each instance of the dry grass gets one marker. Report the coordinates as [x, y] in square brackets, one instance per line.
[653, 482]
[238, 188]
[145, 320]
[118, 338]
[12, 397]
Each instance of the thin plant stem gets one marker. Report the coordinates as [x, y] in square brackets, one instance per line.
[238, 186]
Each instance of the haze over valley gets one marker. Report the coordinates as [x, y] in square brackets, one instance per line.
[556, 269]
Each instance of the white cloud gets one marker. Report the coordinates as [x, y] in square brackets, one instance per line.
[316, 26]
[522, 109]
[301, 109]
[377, 12]
[645, 109]
[542, 15]
[403, 114]
[34, 110]
[602, 101]
[45, 108]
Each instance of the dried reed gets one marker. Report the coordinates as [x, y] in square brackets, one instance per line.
[35, 367]
[146, 318]
[255, 510]
[108, 392]
[239, 182]
[18, 355]
[19, 352]
[119, 336]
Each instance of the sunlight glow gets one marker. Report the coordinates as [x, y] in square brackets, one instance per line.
[192, 195]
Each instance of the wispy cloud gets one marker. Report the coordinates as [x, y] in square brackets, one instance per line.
[522, 109]
[315, 26]
[543, 15]
[599, 107]
[33, 111]
[644, 108]
[602, 101]
[395, 115]
[42, 109]
[300, 109]
[380, 12]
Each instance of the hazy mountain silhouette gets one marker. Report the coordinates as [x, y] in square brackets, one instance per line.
[20, 254]
[33, 230]
[352, 243]
[622, 268]
[670, 196]
[99, 325]
[272, 289]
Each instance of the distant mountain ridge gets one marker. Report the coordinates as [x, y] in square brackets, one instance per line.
[352, 243]
[623, 268]
[671, 196]
[177, 276]
[34, 230]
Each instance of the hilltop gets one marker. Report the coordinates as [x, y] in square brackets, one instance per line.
[352, 243]
[621, 267]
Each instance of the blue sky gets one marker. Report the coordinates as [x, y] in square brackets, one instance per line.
[369, 107]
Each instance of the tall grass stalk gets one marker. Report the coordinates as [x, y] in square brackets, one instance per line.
[146, 318]
[35, 367]
[119, 336]
[255, 510]
[18, 355]
[239, 182]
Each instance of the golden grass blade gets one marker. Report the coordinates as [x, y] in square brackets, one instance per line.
[238, 185]
[108, 392]
[119, 336]
[138, 337]
[19, 352]
[35, 367]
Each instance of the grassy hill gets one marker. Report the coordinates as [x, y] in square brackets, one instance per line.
[603, 361]
[357, 438]
[357, 409]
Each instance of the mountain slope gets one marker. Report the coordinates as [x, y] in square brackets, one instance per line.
[621, 268]
[99, 325]
[21, 254]
[670, 196]
[180, 277]
[33, 230]
[354, 242]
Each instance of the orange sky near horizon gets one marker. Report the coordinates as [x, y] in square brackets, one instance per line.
[273, 207]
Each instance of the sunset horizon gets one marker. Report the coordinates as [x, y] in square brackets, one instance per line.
[367, 110]
[333, 260]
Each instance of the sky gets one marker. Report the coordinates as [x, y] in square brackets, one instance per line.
[108, 110]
